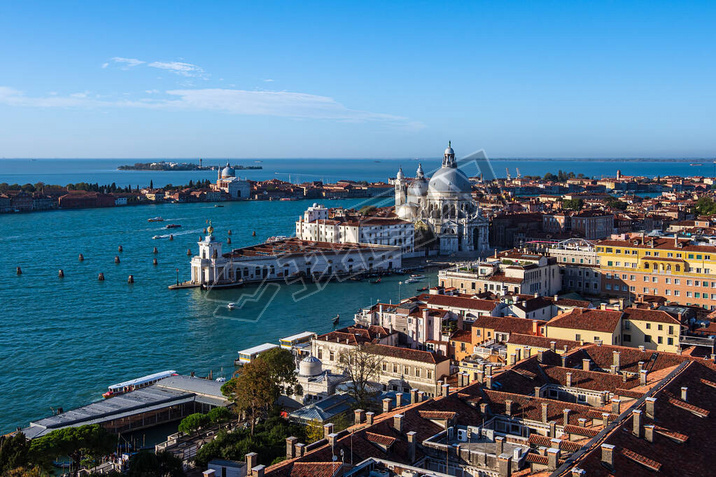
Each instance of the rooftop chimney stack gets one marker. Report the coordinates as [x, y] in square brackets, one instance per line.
[258, 471]
[553, 346]
[508, 407]
[684, 393]
[499, 444]
[252, 459]
[327, 429]
[412, 445]
[586, 364]
[398, 400]
[300, 449]
[649, 433]
[369, 417]
[552, 458]
[291, 447]
[504, 465]
[608, 455]
[446, 389]
[650, 405]
[359, 415]
[387, 404]
[545, 412]
[413, 396]
[565, 414]
[568, 380]
[636, 421]
[398, 422]
[642, 377]
[332, 438]
[616, 406]
[540, 356]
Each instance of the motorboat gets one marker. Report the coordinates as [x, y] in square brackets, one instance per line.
[155, 219]
[173, 226]
[336, 319]
[231, 306]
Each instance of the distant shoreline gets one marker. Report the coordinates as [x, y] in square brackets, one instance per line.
[165, 166]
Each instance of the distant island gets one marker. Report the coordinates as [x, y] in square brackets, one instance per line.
[176, 166]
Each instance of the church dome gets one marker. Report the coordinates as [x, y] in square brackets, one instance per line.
[418, 188]
[227, 172]
[400, 174]
[310, 366]
[449, 181]
[449, 151]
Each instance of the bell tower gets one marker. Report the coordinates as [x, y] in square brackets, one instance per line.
[400, 188]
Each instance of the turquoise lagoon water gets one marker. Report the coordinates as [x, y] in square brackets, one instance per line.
[63, 341]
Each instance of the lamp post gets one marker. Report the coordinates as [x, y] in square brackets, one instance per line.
[177, 277]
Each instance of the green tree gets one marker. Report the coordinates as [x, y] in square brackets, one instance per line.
[219, 414]
[573, 204]
[314, 431]
[253, 390]
[282, 368]
[193, 422]
[705, 206]
[14, 452]
[81, 444]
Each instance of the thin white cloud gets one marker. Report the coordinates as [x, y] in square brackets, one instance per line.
[232, 101]
[125, 63]
[179, 68]
[268, 80]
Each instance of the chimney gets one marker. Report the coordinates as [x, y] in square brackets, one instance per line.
[332, 438]
[300, 449]
[553, 346]
[421, 396]
[545, 411]
[398, 400]
[518, 354]
[650, 404]
[582, 422]
[439, 388]
[258, 471]
[564, 359]
[605, 419]
[537, 389]
[327, 429]
[508, 407]
[577, 472]
[649, 433]
[480, 376]
[504, 465]
[552, 458]
[208, 473]
[252, 459]
[613, 369]
[413, 396]
[684, 393]
[488, 382]
[554, 443]
[616, 406]
[412, 446]
[565, 414]
[290, 447]
[642, 377]
[446, 389]
[499, 444]
[616, 360]
[640, 365]
[513, 359]
[369, 417]
[586, 364]
[528, 351]
[359, 415]
[540, 356]
[569, 380]
[387, 403]
[608, 455]
[483, 409]
[636, 421]
[398, 422]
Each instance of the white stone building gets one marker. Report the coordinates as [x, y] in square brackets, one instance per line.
[444, 205]
[317, 225]
[228, 182]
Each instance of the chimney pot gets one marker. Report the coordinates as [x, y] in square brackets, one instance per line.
[616, 406]
[291, 447]
[684, 393]
[642, 377]
[586, 364]
[258, 471]
[252, 459]
[636, 422]
[552, 458]
[565, 413]
[649, 433]
[608, 455]
[387, 402]
[508, 407]
[398, 399]
[369, 417]
[327, 429]
[650, 405]
[398, 422]
[359, 415]
[569, 379]
[545, 411]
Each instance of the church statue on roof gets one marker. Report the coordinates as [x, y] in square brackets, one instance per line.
[443, 205]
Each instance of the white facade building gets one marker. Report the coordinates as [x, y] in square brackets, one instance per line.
[228, 182]
[445, 206]
[316, 225]
[287, 259]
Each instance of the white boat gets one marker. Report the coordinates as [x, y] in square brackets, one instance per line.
[138, 383]
[412, 280]
[231, 306]
[155, 219]
[417, 277]
[156, 237]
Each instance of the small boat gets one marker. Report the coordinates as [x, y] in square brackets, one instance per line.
[156, 237]
[253, 234]
[138, 383]
[375, 282]
[217, 205]
[417, 277]
[231, 306]
[155, 219]
[336, 319]
[423, 289]
[173, 226]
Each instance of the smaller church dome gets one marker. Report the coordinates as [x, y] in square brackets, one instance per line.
[418, 188]
[400, 174]
[227, 171]
[310, 366]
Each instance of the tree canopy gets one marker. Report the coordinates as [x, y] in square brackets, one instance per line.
[362, 367]
[148, 464]
[81, 444]
[253, 391]
[14, 452]
[193, 422]
[282, 368]
[705, 206]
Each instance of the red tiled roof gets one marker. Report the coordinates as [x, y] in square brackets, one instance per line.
[591, 320]
[640, 314]
[463, 336]
[640, 459]
[460, 302]
[316, 469]
[380, 439]
[406, 353]
[437, 415]
[536, 458]
[507, 324]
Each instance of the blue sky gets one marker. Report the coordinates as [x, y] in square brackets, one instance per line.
[357, 79]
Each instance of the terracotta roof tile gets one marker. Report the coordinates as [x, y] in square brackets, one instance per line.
[591, 320]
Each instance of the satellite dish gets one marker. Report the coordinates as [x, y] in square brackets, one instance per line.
[335, 458]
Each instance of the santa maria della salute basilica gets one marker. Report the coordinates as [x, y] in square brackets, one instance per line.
[442, 208]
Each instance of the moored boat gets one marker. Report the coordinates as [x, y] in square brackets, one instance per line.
[138, 383]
